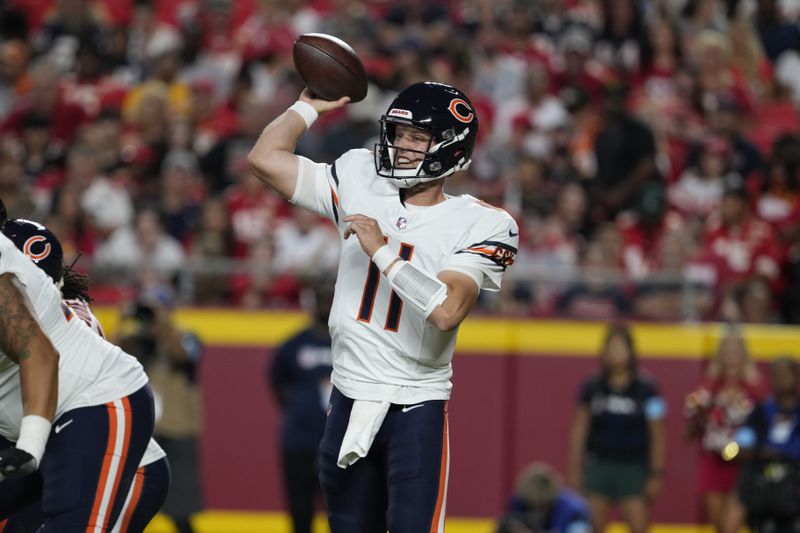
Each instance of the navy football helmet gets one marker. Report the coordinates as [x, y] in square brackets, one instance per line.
[447, 114]
[39, 244]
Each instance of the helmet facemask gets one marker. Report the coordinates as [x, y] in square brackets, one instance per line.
[433, 164]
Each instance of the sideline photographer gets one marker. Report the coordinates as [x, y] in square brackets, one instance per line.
[170, 356]
[540, 503]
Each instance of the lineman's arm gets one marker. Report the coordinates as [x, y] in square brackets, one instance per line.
[24, 342]
[272, 158]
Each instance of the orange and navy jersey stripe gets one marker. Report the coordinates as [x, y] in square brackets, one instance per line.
[334, 196]
[500, 253]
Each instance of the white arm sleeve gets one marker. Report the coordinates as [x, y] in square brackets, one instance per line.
[417, 287]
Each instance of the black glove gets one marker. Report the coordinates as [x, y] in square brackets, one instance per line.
[15, 462]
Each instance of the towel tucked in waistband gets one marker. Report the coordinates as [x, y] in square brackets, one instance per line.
[366, 418]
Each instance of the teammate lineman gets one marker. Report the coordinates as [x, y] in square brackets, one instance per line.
[151, 481]
[86, 414]
[406, 281]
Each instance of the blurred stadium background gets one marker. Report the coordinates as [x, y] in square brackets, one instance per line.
[649, 150]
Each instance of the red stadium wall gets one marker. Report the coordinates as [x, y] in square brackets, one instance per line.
[515, 387]
[505, 412]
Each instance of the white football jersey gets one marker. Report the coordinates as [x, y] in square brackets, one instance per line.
[384, 349]
[82, 310]
[91, 371]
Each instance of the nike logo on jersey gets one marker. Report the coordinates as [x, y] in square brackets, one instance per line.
[512, 234]
[408, 408]
[62, 426]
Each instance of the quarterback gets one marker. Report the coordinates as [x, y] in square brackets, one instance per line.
[412, 263]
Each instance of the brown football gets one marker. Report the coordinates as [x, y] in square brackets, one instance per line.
[329, 67]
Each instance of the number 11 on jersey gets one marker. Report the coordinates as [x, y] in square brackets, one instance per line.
[371, 289]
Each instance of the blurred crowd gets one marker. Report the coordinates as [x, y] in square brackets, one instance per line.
[649, 149]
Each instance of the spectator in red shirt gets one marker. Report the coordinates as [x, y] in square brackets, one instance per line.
[45, 99]
[70, 223]
[90, 86]
[661, 59]
[574, 67]
[746, 246]
[253, 211]
[260, 285]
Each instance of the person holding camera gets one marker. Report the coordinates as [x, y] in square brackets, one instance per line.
[171, 358]
[541, 503]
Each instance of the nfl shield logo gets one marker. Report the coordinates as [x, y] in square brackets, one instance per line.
[402, 223]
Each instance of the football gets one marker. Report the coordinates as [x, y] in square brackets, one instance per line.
[329, 67]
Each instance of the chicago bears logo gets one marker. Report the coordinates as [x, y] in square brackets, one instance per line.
[454, 109]
[27, 248]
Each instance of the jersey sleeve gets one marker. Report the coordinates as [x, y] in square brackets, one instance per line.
[487, 253]
[9, 260]
[319, 187]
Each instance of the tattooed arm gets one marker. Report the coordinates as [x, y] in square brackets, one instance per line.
[24, 342]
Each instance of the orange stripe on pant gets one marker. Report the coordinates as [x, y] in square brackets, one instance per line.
[126, 414]
[136, 494]
[115, 417]
[101, 483]
[3, 525]
[442, 494]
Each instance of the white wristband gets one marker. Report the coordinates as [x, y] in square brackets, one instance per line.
[306, 112]
[33, 434]
[383, 258]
